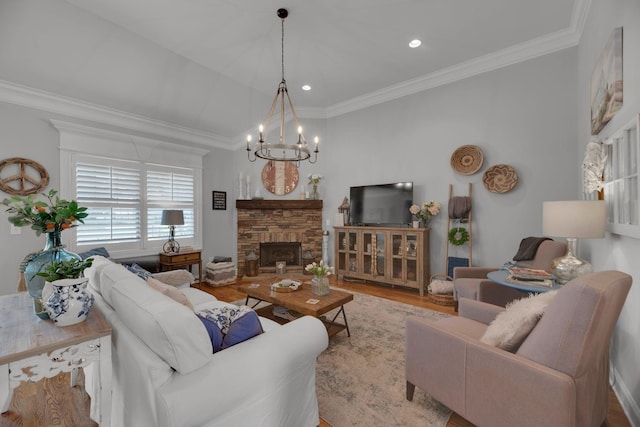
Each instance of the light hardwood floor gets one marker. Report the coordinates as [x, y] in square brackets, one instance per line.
[52, 402]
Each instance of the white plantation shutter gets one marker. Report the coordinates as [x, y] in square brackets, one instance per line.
[169, 190]
[113, 197]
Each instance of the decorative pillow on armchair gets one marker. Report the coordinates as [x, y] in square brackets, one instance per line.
[510, 327]
[230, 325]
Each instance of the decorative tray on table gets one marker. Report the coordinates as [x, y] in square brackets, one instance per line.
[285, 285]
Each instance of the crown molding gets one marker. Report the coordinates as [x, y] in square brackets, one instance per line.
[58, 104]
[512, 55]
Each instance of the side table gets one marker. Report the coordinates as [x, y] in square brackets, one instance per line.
[33, 349]
[177, 260]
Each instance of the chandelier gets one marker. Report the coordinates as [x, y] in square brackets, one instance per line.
[282, 151]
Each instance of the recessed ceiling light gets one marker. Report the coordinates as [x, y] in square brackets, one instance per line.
[306, 87]
[415, 43]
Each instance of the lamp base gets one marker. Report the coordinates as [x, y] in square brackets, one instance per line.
[569, 267]
[171, 246]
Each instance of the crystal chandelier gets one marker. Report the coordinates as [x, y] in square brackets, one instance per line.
[282, 151]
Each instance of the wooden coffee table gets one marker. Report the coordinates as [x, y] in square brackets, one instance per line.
[297, 301]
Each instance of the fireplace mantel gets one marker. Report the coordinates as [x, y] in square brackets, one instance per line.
[278, 204]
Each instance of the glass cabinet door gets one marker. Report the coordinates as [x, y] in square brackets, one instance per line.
[368, 257]
[379, 251]
[341, 261]
[411, 259]
[352, 251]
[397, 255]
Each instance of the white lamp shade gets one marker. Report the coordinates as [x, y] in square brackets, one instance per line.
[575, 218]
[172, 217]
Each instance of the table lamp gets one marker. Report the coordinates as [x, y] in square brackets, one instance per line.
[573, 219]
[172, 217]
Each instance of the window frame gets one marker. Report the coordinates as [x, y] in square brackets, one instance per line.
[77, 141]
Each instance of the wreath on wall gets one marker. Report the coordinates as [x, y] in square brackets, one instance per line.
[458, 236]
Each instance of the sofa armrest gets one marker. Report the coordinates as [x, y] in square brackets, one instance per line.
[483, 384]
[477, 310]
[240, 379]
[472, 272]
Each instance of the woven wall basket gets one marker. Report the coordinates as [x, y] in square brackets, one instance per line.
[467, 160]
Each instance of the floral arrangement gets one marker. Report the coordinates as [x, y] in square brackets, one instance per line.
[319, 269]
[55, 214]
[314, 178]
[426, 210]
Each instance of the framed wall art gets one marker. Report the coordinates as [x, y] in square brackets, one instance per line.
[219, 200]
[606, 83]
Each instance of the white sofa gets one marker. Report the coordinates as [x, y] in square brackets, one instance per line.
[165, 374]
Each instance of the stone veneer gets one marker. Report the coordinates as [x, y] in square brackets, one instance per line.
[269, 221]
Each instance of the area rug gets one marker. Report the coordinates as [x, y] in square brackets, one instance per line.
[361, 379]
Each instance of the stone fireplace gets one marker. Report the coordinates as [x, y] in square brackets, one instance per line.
[282, 229]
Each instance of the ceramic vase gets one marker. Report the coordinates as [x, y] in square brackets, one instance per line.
[53, 251]
[67, 301]
[320, 285]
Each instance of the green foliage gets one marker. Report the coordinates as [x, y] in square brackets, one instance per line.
[55, 214]
[70, 269]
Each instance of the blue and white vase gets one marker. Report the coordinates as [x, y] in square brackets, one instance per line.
[67, 301]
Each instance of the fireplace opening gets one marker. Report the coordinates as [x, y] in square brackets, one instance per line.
[290, 252]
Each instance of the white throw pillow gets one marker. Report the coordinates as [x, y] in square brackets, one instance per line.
[509, 329]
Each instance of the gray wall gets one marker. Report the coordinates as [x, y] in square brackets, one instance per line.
[615, 252]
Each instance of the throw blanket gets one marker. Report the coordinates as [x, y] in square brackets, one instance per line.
[528, 248]
[459, 207]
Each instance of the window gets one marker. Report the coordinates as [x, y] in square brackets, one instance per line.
[621, 179]
[126, 184]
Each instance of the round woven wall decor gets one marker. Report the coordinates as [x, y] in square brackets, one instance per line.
[467, 160]
[500, 178]
[26, 176]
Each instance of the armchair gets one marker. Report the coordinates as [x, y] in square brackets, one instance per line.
[557, 377]
[472, 282]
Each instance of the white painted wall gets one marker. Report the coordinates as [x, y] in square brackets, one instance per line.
[615, 252]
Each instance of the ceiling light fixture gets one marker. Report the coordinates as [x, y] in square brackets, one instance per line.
[282, 151]
[306, 87]
[414, 43]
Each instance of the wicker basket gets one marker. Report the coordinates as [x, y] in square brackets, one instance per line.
[440, 299]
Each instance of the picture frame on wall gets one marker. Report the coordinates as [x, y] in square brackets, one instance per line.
[606, 83]
[219, 202]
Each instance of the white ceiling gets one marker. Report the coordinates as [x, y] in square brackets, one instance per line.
[353, 53]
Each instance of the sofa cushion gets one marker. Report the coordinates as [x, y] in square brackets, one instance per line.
[95, 251]
[170, 291]
[511, 327]
[136, 269]
[169, 329]
[236, 324]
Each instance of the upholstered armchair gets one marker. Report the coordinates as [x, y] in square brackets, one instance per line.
[472, 282]
[557, 377]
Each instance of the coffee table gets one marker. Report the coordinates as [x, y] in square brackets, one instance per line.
[298, 301]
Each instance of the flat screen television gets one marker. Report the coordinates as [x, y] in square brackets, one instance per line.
[381, 204]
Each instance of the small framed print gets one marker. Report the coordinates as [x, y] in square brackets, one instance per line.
[219, 201]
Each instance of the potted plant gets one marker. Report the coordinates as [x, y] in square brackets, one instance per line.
[50, 217]
[65, 296]
[320, 281]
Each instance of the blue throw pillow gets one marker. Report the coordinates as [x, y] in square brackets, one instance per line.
[215, 334]
[95, 251]
[136, 269]
[235, 325]
[241, 329]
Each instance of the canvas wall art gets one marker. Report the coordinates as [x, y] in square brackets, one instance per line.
[606, 83]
